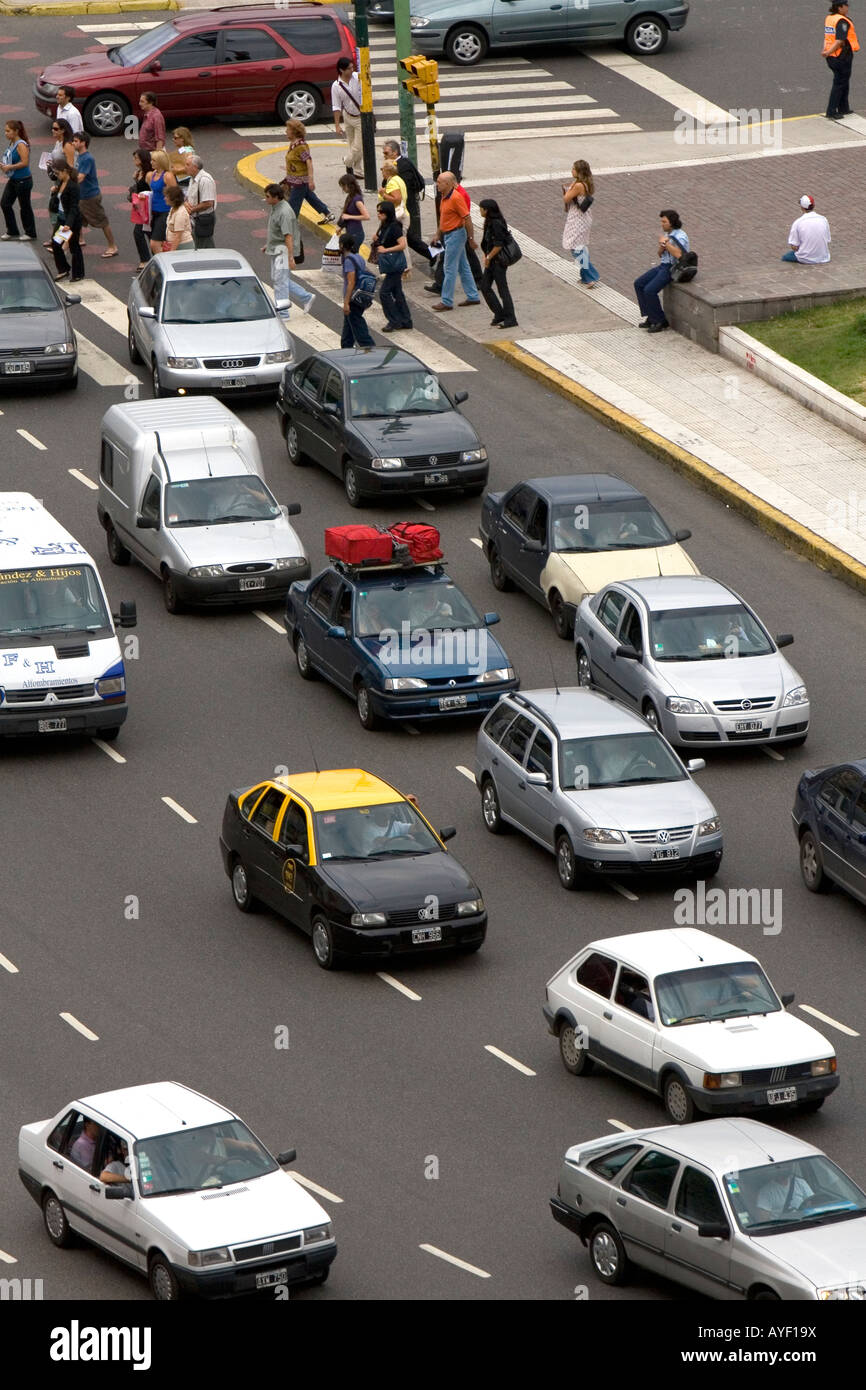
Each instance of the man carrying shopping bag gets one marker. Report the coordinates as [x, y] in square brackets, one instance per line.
[283, 237]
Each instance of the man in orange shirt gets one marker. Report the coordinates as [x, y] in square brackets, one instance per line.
[455, 229]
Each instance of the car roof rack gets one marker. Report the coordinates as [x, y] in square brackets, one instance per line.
[385, 566]
[538, 713]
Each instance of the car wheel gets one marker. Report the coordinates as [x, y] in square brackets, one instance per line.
[132, 347]
[56, 1224]
[169, 593]
[241, 892]
[366, 713]
[321, 1277]
[651, 715]
[575, 1058]
[646, 36]
[498, 578]
[566, 863]
[323, 945]
[156, 385]
[765, 1296]
[354, 496]
[117, 553]
[298, 103]
[490, 808]
[559, 613]
[811, 866]
[607, 1253]
[466, 45]
[105, 114]
[163, 1284]
[108, 735]
[678, 1103]
[584, 670]
[293, 444]
[302, 657]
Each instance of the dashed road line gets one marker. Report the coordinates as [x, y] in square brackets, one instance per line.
[475, 541]
[82, 478]
[831, 1022]
[466, 773]
[512, 1061]
[314, 1187]
[623, 892]
[107, 748]
[453, 1260]
[174, 806]
[427, 506]
[103, 368]
[772, 753]
[31, 439]
[621, 1124]
[7, 1259]
[269, 621]
[7, 965]
[80, 1027]
[396, 984]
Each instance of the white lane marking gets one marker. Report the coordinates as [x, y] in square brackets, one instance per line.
[31, 439]
[395, 984]
[512, 1061]
[624, 892]
[7, 965]
[269, 621]
[664, 87]
[464, 771]
[314, 1187]
[80, 1027]
[107, 748]
[504, 67]
[184, 815]
[7, 1259]
[620, 1124]
[453, 1260]
[772, 753]
[130, 28]
[316, 334]
[423, 503]
[104, 305]
[604, 127]
[82, 478]
[103, 369]
[831, 1022]
[475, 541]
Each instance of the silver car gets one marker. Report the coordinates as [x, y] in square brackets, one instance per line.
[202, 321]
[694, 659]
[731, 1208]
[584, 777]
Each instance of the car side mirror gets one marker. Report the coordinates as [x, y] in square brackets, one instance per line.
[72, 298]
[128, 616]
[714, 1230]
[460, 397]
[787, 1000]
[784, 639]
[627, 653]
[155, 66]
[288, 1156]
[337, 630]
[682, 535]
[147, 523]
[448, 832]
[537, 779]
[696, 764]
[532, 546]
[331, 408]
[116, 1191]
[293, 509]
[147, 311]
[490, 619]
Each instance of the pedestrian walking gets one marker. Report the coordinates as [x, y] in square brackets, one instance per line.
[151, 132]
[139, 198]
[455, 229]
[355, 303]
[93, 213]
[389, 252]
[437, 249]
[178, 228]
[160, 179]
[64, 148]
[300, 178]
[809, 237]
[19, 184]
[181, 138]
[354, 213]
[840, 45]
[393, 190]
[346, 106]
[69, 227]
[673, 242]
[283, 240]
[201, 201]
[577, 199]
[494, 238]
[416, 187]
[66, 111]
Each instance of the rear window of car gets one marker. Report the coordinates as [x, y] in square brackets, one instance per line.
[611, 1164]
[597, 973]
[309, 36]
[497, 722]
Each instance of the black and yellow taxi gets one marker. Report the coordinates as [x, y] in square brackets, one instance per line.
[351, 861]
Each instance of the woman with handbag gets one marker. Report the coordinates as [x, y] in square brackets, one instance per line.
[159, 179]
[16, 166]
[70, 223]
[139, 197]
[577, 200]
[354, 212]
[389, 252]
[356, 300]
[300, 180]
[64, 148]
[393, 190]
[496, 240]
[178, 228]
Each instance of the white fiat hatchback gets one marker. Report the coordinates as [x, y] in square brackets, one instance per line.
[177, 1187]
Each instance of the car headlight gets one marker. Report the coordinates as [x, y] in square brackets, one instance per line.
[599, 836]
[58, 349]
[473, 456]
[384, 464]
[110, 685]
[717, 1081]
[825, 1067]
[405, 683]
[857, 1291]
[285, 356]
[183, 363]
[290, 562]
[367, 919]
[468, 909]
[499, 673]
[218, 1256]
[418, 21]
[710, 827]
[314, 1233]
[48, 89]
[798, 696]
[206, 572]
[677, 704]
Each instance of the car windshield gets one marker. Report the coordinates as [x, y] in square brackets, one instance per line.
[396, 393]
[608, 526]
[791, 1195]
[142, 47]
[65, 598]
[373, 832]
[236, 299]
[707, 634]
[217, 501]
[617, 760]
[715, 991]
[192, 1159]
[26, 292]
[438, 605]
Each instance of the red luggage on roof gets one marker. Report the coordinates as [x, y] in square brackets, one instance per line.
[356, 544]
[421, 540]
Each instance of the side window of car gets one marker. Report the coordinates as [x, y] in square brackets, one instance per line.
[82, 1141]
[333, 394]
[151, 499]
[518, 507]
[59, 1134]
[311, 381]
[698, 1198]
[597, 974]
[146, 283]
[343, 616]
[652, 1177]
[294, 830]
[310, 36]
[612, 1164]
[537, 527]
[498, 721]
[858, 815]
[250, 46]
[516, 741]
[264, 817]
[541, 755]
[633, 992]
[322, 594]
[248, 802]
[610, 608]
[192, 51]
[630, 632]
[839, 791]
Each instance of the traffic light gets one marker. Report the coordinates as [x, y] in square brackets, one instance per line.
[423, 82]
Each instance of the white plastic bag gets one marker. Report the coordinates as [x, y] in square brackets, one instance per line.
[331, 258]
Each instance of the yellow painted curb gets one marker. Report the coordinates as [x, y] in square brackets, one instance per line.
[248, 176]
[90, 7]
[770, 519]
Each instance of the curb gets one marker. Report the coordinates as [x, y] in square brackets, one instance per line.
[248, 176]
[775, 523]
[89, 7]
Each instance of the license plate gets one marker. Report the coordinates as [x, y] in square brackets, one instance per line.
[17, 368]
[227, 382]
[422, 934]
[253, 583]
[783, 1096]
[52, 726]
[431, 478]
[452, 702]
[748, 726]
[665, 854]
[271, 1276]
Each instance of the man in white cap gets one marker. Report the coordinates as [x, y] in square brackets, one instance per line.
[809, 237]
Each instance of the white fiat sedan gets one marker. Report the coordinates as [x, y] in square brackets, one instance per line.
[176, 1186]
[691, 1018]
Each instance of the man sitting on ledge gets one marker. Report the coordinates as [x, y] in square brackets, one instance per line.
[809, 237]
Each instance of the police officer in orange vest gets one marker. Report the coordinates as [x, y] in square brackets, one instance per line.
[840, 45]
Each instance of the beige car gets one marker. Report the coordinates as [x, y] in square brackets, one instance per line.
[560, 539]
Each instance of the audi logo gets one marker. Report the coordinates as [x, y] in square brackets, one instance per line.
[434, 458]
[663, 836]
[746, 704]
[231, 362]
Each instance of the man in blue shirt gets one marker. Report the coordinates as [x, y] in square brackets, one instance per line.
[93, 214]
[673, 242]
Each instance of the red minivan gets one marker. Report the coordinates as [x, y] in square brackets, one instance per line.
[237, 62]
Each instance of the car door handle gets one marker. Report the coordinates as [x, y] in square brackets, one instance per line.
[204, 74]
[675, 1226]
[495, 762]
[94, 1187]
[522, 786]
[607, 1016]
[620, 1201]
[57, 1164]
[278, 67]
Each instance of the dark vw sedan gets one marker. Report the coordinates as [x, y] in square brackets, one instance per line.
[353, 863]
[37, 343]
[830, 824]
[382, 422]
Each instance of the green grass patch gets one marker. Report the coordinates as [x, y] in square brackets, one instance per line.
[829, 342]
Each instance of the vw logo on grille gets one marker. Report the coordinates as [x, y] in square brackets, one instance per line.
[745, 704]
[426, 914]
[434, 458]
[663, 836]
[231, 362]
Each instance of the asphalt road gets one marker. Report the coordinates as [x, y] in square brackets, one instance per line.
[373, 1084]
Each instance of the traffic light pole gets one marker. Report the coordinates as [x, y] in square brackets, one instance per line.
[433, 136]
[403, 35]
[368, 141]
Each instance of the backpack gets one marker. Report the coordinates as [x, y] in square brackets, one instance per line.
[413, 179]
[686, 268]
